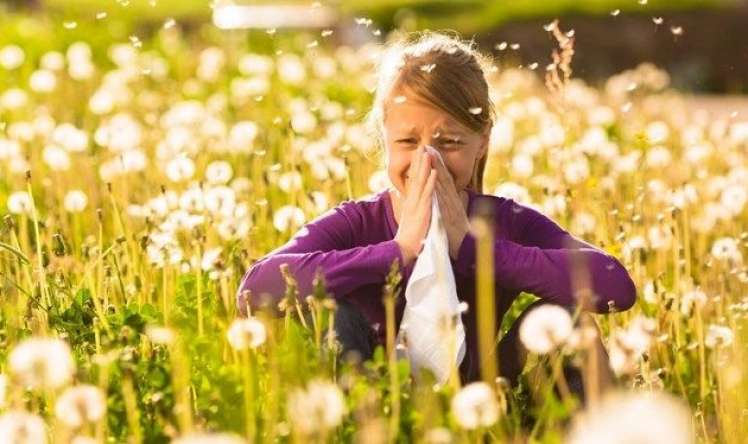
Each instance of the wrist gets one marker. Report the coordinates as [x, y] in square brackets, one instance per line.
[407, 253]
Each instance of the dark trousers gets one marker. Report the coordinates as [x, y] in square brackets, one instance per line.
[358, 338]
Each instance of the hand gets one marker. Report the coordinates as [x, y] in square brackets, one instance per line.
[415, 206]
[452, 208]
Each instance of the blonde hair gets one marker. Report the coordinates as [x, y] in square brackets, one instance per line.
[443, 70]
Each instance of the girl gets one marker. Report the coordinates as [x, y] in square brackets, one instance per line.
[432, 91]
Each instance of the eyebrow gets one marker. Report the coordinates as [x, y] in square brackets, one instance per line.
[450, 129]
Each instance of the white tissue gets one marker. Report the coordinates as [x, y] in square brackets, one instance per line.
[431, 303]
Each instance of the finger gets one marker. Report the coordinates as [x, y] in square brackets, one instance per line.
[428, 188]
[444, 176]
[423, 172]
[412, 188]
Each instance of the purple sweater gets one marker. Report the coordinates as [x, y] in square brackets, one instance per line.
[353, 244]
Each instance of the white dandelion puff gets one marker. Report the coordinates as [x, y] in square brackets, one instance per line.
[218, 172]
[210, 258]
[718, 336]
[19, 202]
[545, 328]
[290, 181]
[317, 408]
[246, 333]
[20, 427]
[42, 81]
[42, 363]
[286, 216]
[475, 405]
[11, 57]
[634, 417]
[80, 405]
[56, 158]
[75, 201]
[727, 249]
[180, 169]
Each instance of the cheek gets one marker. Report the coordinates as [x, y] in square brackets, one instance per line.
[397, 168]
[460, 170]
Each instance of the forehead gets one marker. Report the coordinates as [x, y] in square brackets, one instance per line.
[410, 113]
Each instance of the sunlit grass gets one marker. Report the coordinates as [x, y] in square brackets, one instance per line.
[140, 179]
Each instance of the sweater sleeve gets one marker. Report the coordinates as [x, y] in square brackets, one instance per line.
[326, 243]
[542, 258]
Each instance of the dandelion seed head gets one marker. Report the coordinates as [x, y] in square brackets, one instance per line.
[11, 57]
[20, 202]
[727, 249]
[246, 333]
[18, 426]
[475, 405]
[286, 216]
[718, 336]
[545, 327]
[42, 363]
[75, 201]
[676, 30]
[80, 404]
[626, 417]
[42, 81]
[318, 407]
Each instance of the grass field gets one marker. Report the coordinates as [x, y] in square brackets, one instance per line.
[140, 176]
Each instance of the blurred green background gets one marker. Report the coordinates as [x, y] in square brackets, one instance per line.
[467, 16]
[708, 54]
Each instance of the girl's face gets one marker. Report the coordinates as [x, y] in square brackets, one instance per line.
[412, 123]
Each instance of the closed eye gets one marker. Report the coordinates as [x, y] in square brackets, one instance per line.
[406, 141]
[451, 142]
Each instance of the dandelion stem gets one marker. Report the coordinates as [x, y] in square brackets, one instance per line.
[131, 409]
[486, 307]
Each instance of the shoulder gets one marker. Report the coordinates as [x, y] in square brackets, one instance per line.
[511, 217]
[364, 209]
[355, 213]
